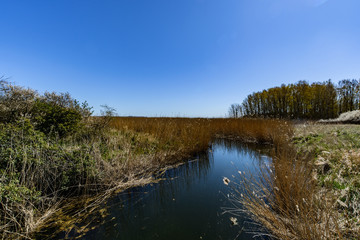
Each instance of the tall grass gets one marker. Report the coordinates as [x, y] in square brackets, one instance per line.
[186, 136]
[287, 201]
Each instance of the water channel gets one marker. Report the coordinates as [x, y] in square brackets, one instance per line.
[188, 204]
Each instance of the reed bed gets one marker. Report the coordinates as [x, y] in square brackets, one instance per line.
[186, 136]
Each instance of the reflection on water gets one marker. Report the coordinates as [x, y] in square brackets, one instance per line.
[186, 204]
[252, 149]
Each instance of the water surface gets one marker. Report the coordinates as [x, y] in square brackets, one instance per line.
[188, 204]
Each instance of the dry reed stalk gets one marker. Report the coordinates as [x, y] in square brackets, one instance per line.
[286, 200]
[195, 134]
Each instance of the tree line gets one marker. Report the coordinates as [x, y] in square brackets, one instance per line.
[319, 100]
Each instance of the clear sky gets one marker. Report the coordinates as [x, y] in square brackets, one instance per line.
[176, 57]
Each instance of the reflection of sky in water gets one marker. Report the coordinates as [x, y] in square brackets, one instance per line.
[188, 204]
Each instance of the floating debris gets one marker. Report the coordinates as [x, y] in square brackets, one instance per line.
[234, 221]
[226, 181]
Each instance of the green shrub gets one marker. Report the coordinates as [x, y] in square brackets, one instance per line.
[51, 113]
[40, 162]
[19, 143]
[52, 118]
[11, 191]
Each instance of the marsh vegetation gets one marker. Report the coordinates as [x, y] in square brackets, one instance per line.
[59, 164]
[53, 150]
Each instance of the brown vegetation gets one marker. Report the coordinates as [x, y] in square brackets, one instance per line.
[100, 160]
[182, 137]
[287, 202]
[311, 190]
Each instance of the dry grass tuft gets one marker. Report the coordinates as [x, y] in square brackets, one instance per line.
[286, 201]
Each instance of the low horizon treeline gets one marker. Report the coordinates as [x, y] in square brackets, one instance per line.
[319, 100]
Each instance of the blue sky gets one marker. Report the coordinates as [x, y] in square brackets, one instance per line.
[176, 57]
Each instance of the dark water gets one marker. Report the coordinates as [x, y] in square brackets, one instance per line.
[188, 204]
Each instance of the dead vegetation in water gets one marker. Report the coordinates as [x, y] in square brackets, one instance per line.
[79, 215]
[286, 201]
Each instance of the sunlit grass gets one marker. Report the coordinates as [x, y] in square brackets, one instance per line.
[186, 136]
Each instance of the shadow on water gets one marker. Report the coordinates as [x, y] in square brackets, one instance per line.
[186, 204]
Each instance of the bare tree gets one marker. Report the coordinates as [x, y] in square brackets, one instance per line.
[235, 111]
